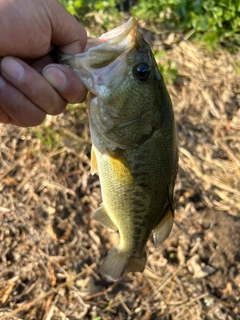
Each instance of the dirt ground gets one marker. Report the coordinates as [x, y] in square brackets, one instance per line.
[50, 249]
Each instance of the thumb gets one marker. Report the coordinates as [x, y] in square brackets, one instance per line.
[67, 32]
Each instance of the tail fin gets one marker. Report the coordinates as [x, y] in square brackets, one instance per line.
[117, 263]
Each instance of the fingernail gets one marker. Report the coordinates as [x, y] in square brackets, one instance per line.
[12, 68]
[55, 77]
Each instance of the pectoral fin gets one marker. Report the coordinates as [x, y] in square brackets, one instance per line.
[163, 229]
[101, 216]
[94, 165]
[120, 167]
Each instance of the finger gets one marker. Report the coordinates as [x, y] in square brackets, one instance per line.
[67, 32]
[33, 85]
[15, 108]
[4, 117]
[41, 63]
[73, 89]
[66, 82]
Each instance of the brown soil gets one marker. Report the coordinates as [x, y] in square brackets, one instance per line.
[50, 249]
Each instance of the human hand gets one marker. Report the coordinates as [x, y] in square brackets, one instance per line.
[31, 85]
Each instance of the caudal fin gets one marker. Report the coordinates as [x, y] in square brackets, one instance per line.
[117, 263]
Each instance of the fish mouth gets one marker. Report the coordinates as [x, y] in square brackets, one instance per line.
[110, 45]
[104, 52]
[116, 35]
[114, 42]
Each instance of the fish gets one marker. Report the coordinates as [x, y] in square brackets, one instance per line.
[134, 143]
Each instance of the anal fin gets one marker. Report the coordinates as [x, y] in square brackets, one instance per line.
[101, 216]
[163, 229]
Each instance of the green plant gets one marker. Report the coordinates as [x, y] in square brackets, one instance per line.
[214, 21]
[85, 10]
[83, 7]
[48, 136]
[167, 67]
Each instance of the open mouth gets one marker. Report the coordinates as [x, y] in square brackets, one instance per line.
[101, 51]
[103, 60]
[105, 49]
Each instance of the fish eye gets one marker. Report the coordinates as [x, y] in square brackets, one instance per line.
[142, 71]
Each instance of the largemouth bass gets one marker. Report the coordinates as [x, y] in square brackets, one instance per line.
[134, 143]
